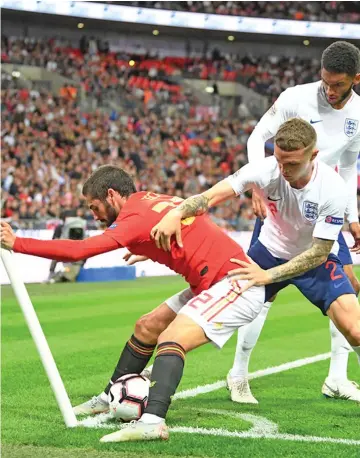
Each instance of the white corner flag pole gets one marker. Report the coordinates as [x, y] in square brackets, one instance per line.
[37, 333]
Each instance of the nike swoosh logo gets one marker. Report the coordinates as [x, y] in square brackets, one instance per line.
[314, 122]
[339, 284]
[337, 394]
[274, 200]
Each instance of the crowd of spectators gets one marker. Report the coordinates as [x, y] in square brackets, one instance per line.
[100, 72]
[106, 74]
[144, 76]
[300, 11]
[268, 75]
[49, 147]
[50, 144]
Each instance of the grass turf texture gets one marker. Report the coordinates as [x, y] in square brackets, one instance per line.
[86, 326]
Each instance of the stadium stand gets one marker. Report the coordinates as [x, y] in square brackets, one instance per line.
[102, 72]
[51, 143]
[300, 11]
[49, 147]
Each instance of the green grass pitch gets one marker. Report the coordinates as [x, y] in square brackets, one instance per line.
[87, 325]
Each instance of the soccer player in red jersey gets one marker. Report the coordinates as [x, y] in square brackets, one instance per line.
[210, 310]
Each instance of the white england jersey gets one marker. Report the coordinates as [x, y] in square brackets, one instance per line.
[338, 132]
[295, 216]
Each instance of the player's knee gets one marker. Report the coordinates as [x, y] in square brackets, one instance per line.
[352, 334]
[148, 328]
[142, 329]
[355, 337]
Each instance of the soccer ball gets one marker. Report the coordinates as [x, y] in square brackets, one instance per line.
[128, 397]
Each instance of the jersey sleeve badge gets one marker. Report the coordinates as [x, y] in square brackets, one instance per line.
[334, 220]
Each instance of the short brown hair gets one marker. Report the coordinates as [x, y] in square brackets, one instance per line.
[296, 134]
[106, 177]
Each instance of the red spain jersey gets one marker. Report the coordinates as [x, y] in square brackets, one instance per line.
[207, 250]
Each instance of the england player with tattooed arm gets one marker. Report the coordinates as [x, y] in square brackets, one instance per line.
[333, 109]
[296, 246]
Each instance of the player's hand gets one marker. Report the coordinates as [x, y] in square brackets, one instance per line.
[165, 229]
[355, 232]
[7, 236]
[252, 272]
[132, 259]
[259, 208]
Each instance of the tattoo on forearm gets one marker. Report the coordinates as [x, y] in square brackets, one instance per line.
[304, 262]
[194, 206]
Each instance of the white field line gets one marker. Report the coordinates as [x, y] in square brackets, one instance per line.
[249, 435]
[261, 373]
[98, 421]
[262, 428]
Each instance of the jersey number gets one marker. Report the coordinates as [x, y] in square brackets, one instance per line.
[200, 301]
[160, 206]
[273, 209]
[332, 265]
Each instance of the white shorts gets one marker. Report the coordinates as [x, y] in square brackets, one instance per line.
[221, 310]
[177, 302]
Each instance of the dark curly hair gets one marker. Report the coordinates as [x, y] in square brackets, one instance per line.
[341, 57]
[106, 177]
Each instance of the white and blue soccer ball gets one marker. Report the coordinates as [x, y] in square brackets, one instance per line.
[128, 397]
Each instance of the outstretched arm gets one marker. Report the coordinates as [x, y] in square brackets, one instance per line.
[59, 250]
[200, 203]
[193, 206]
[248, 176]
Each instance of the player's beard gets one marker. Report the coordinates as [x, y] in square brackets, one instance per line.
[341, 98]
[111, 214]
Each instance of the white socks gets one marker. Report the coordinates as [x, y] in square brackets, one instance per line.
[150, 418]
[340, 348]
[247, 337]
